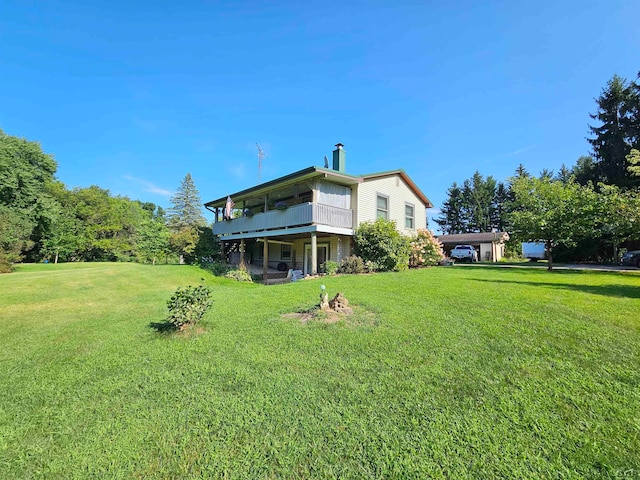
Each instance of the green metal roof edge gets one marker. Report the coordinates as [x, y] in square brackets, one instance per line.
[326, 171]
[285, 178]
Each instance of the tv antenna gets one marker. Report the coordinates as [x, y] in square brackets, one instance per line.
[260, 158]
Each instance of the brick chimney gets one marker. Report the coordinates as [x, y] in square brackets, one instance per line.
[340, 158]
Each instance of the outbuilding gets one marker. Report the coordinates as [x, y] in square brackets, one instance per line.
[490, 245]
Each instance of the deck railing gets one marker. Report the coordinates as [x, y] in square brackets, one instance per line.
[298, 215]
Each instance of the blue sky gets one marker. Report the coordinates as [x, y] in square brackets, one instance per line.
[132, 95]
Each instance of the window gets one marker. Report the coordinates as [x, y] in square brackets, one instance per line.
[382, 207]
[409, 216]
[285, 252]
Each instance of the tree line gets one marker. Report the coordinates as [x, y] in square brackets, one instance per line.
[42, 220]
[586, 211]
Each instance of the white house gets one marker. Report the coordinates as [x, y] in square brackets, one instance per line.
[302, 219]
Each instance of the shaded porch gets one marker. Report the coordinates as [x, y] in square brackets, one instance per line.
[275, 255]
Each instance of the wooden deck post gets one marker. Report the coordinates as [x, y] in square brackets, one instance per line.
[265, 260]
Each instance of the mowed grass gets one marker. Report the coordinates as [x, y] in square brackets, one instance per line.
[456, 372]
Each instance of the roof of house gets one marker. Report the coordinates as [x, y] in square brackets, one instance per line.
[464, 238]
[313, 172]
[306, 173]
[407, 180]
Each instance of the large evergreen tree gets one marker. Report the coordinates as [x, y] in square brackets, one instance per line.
[185, 220]
[586, 170]
[451, 220]
[500, 207]
[481, 201]
[617, 132]
[477, 206]
[186, 209]
[631, 113]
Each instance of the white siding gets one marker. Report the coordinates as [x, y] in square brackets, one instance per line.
[339, 248]
[298, 251]
[398, 193]
[485, 252]
[255, 251]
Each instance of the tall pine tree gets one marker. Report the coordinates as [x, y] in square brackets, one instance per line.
[186, 222]
[617, 134]
[479, 205]
[186, 209]
[451, 219]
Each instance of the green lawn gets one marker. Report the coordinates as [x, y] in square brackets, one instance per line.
[450, 372]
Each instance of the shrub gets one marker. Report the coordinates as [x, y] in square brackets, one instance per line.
[352, 264]
[329, 267]
[215, 267]
[6, 266]
[425, 249]
[188, 305]
[239, 275]
[382, 246]
[513, 251]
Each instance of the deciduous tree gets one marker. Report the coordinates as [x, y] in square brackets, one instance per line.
[552, 212]
[26, 173]
[619, 216]
[152, 240]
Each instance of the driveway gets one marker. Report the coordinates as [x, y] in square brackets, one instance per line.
[559, 266]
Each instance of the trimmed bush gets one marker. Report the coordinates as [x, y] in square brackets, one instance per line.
[352, 265]
[329, 267]
[188, 305]
[239, 275]
[215, 267]
[381, 246]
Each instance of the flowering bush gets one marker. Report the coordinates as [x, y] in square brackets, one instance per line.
[425, 249]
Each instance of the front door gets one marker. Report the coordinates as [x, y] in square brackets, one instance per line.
[323, 255]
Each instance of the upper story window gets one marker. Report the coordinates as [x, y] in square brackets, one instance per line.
[382, 207]
[409, 216]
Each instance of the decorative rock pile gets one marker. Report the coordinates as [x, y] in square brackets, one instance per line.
[338, 304]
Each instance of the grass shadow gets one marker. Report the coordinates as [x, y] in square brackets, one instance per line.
[610, 290]
[163, 327]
